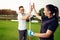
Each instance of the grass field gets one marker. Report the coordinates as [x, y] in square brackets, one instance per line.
[9, 30]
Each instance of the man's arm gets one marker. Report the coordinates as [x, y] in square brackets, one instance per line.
[29, 13]
[26, 16]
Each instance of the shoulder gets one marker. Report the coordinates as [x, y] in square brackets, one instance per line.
[19, 13]
[54, 22]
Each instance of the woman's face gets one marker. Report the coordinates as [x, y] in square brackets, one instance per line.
[46, 11]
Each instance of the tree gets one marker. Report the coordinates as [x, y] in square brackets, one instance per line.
[8, 14]
[41, 13]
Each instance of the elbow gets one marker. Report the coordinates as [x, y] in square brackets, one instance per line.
[47, 36]
[24, 18]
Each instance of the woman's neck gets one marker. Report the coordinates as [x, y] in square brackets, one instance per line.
[50, 16]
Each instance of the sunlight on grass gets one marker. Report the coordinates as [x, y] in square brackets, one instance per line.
[9, 30]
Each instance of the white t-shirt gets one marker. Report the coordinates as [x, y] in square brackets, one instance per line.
[21, 23]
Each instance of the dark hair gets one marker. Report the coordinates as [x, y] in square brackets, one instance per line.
[53, 9]
[20, 7]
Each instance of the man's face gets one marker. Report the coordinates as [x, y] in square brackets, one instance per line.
[21, 10]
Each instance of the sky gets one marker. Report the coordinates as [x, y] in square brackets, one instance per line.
[14, 4]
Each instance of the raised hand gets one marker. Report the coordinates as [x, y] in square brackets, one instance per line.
[33, 6]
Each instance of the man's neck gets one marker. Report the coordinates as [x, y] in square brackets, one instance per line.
[22, 13]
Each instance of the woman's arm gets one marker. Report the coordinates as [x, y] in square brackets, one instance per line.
[43, 35]
[35, 12]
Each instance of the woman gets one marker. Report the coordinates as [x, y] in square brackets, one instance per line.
[48, 26]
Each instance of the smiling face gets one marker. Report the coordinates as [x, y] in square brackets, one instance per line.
[46, 11]
[21, 9]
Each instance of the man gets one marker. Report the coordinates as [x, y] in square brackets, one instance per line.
[22, 23]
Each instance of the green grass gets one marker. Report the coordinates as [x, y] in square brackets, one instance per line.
[9, 30]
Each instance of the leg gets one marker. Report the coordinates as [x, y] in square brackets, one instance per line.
[25, 34]
[20, 35]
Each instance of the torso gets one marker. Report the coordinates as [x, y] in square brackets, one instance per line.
[45, 25]
[21, 23]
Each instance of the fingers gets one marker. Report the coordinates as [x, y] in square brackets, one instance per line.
[32, 7]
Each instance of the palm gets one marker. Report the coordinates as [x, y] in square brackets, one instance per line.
[33, 6]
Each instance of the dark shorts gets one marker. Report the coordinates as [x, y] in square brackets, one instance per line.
[22, 34]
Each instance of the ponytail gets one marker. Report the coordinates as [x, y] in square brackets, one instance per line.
[54, 10]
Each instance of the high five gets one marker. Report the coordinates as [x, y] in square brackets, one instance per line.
[48, 26]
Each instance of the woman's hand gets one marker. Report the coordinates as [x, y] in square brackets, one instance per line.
[30, 33]
[33, 6]
[35, 12]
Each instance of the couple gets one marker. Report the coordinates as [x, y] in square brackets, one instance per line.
[48, 26]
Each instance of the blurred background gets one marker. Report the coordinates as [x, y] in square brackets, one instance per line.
[8, 17]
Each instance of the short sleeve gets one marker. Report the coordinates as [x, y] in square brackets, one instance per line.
[19, 16]
[53, 26]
